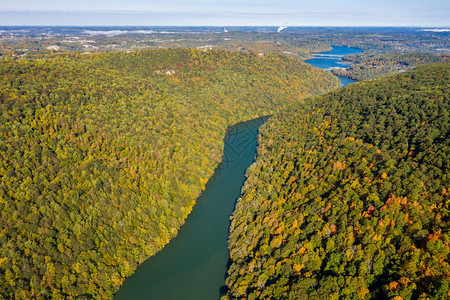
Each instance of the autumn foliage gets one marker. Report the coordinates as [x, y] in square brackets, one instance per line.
[348, 196]
[103, 156]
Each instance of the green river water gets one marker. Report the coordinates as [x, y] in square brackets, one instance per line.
[194, 264]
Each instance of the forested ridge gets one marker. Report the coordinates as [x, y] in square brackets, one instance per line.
[349, 196]
[103, 156]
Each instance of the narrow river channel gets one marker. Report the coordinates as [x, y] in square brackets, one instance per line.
[194, 264]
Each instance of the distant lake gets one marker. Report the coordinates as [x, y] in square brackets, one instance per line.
[331, 59]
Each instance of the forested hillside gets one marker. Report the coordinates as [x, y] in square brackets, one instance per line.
[103, 156]
[349, 196]
[365, 66]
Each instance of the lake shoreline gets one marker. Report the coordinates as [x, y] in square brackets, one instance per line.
[328, 60]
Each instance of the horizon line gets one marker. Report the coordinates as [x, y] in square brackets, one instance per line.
[231, 26]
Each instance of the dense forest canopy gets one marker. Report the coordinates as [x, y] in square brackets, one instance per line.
[103, 155]
[349, 196]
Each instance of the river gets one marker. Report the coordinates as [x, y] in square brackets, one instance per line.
[194, 264]
[332, 59]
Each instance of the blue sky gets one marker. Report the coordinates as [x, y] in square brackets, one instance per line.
[428, 13]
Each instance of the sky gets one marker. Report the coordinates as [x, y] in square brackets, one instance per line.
[420, 13]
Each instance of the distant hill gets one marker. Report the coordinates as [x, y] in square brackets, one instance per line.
[349, 196]
[103, 156]
[370, 66]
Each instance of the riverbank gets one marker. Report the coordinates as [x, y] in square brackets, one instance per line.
[194, 264]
